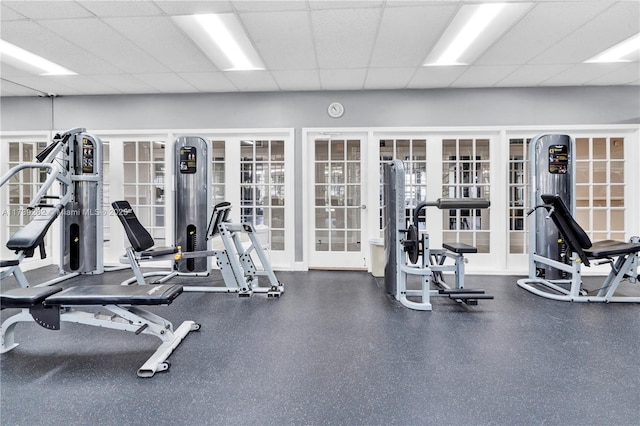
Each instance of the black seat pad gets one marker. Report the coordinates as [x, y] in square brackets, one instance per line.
[159, 251]
[460, 248]
[115, 294]
[26, 297]
[32, 234]
[607, 248]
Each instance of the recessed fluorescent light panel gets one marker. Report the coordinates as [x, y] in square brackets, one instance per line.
[474, 28]
[625, 51]
[222, 38]
[20, 58]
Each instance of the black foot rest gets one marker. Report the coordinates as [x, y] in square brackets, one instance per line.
[26, 297]
[6, 263]
[469, 296]
[115, 294]
[460, 248]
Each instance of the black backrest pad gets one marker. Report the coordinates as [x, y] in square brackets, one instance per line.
[219, 214]
[574, 235]
[32, 234]
[139, 237]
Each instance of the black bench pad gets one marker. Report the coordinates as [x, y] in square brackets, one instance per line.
[32, 234]
[159, 251]
[607, 248]
[114, 294]
[26, 297]
[7, 263]
[460, 248]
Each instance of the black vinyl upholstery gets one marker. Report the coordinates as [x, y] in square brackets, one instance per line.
[219, 215]
[26, 297]
[32, 234]
[115, 294]
[138, 236]
[578, 240]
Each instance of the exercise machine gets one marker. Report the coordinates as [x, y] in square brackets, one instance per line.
[73, 190]
[407, 253]
[558, 246]
[234, 257]
[49, 306]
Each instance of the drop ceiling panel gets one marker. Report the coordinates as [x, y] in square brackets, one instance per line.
[344, 38]
[583, 73]
[48, 9]
[613, 25]
[432, 77]
[541, 28]
[407, 34]
[294, 80]
[160, 38]
[483, 76]
[626, 74]
[351, 79]
[166, 83]
[58, 84]
[531, 75]
[124, 83]
[269, 6]
[7, 14]
[122, 8]
[252, 81]
[192, 7]
[209, 81]
[33, 37]
[284, 40]
[95, 36]
[388, 78]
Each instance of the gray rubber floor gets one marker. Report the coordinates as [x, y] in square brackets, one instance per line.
[334, 349]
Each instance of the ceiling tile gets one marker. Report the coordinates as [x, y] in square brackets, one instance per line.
[48, 9]
[583, 73]
[344, 38]
[483, 76]
[297, 79]
[122, 8]
[407, 34]
[432, 77]
[209, 81]
[252, 81]
[541, 28]
[388, 78]
[95, 36]
[160, 38]
[193, 7]
[124, 83]
[284, 40]
[7, 14]
[626, 74]
[269, 6]
[531, 75]
[33, 37]
[345, 79]
[58, 85]
[621, 21]
[166, 83]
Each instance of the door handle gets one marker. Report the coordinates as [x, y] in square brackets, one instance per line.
[363, 207]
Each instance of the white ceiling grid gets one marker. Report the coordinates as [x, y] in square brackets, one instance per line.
[122, 47]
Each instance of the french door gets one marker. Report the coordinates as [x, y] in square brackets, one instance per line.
[337, 207]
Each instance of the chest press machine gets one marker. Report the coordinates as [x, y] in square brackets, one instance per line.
[407, 254]
[49, 305]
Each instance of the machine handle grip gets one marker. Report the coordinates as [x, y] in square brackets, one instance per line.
[462, 203]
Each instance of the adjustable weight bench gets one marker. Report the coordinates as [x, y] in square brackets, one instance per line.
[26, 240]
[49, 306]
[621, 256]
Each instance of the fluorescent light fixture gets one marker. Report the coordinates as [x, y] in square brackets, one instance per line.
[474, 28]
[222, 38]
[621, 52]
[19, 57]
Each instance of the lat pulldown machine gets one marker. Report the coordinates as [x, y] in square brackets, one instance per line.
[558, 246]
[408, 254]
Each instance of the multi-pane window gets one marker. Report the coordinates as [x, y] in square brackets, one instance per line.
[518, 194]
[144, 184]
[413, 153]
[218, 171]
[338, 178]
[600, 203]
[106, 196]
[262, 187]
[24, 185]
[465, 169]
